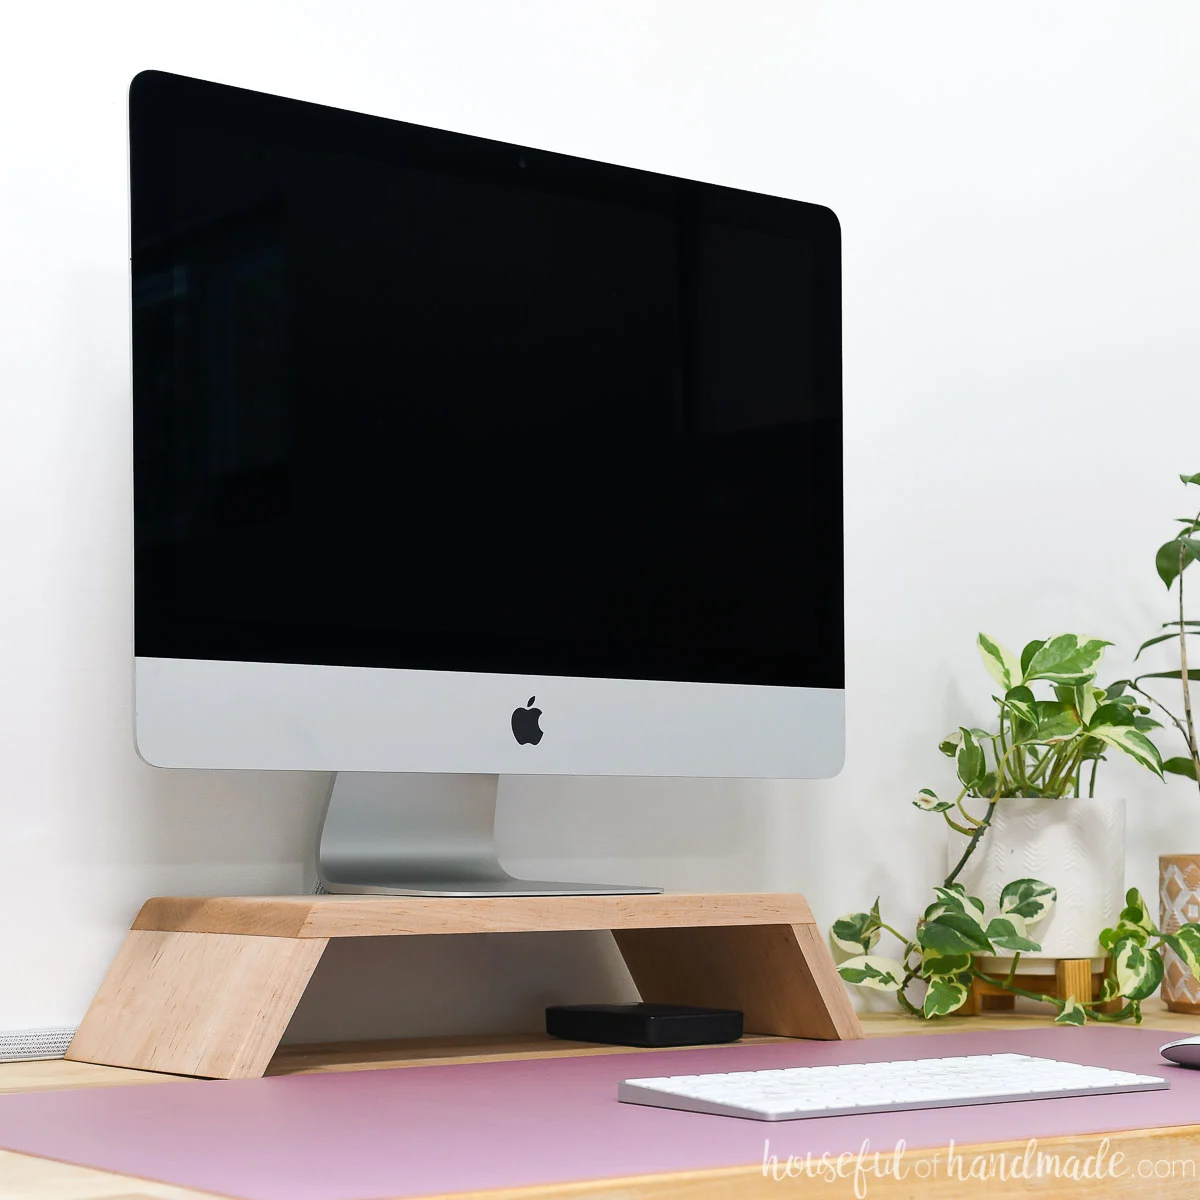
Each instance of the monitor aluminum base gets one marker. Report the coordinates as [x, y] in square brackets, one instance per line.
[392, 834]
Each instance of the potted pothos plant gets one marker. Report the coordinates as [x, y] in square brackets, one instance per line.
[1029, 784]
[944, 952]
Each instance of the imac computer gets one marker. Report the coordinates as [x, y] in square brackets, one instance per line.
[456, 458]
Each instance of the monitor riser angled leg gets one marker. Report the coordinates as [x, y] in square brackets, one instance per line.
[395, 834]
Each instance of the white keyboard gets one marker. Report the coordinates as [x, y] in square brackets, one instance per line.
[785, 1095]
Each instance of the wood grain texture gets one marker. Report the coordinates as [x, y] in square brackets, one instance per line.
[926, 1176]
[213, 1005]
[391, 916]
[162, 1009]
[23, 1177]
[39, 1179]
[781, 977]
[51, 1074]
[1073, 979]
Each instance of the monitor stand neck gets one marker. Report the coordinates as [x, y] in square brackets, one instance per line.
[423, 835]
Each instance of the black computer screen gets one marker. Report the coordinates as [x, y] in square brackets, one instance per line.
[407, 398]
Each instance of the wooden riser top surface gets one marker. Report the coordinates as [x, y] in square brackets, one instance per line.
[391, 916]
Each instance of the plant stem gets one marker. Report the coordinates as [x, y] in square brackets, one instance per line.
[1068, 769]
[905, 1002]
[1183, 662]
[1047, 759]
[1130, 1010]
[963, 829]
[979, 832]
[966, 815]
[1162, 708]
[1092, 784]
[1012, 987]
[984, 822]
[1009, 986]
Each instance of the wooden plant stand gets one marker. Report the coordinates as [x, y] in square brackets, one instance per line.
[206, 986]
[1072, 977]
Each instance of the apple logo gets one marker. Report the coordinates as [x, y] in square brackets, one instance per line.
[525, 725]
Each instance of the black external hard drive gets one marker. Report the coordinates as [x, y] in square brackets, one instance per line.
[644, 1024]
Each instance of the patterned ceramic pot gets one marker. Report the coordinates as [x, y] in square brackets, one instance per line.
[1178, 903]
[1077, 846]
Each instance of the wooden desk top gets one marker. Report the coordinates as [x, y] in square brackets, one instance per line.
[1170, 1149]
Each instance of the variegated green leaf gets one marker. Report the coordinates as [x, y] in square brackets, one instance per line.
[933, 963]
[1187, 952]
[855, 933]
[1131, 741]
[1066, 659]
[1138, 969]
[969, 760]
[1081, 701]
[1136, 913]
[954, 933]
[1191, 933]
[1188, 937]
[1008, 933]
[928, 801]
[1002, 665]
[946, 994]
[955, 897]
[1031, 648]
[950, 743]
[1073, 1013]
[1019, 702]
[1110, 937]
[1056, 722]
[873, 971]
[1030, 899]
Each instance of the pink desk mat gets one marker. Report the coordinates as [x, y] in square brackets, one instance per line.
[419, 1131]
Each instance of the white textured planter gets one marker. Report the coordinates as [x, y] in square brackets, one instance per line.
[1076, 846]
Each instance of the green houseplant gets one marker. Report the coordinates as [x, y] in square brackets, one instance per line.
[1179, 874]
[1172, 559]
[955, 930]
[1052, 728]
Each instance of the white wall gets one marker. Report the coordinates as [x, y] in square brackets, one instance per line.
[1017, 186]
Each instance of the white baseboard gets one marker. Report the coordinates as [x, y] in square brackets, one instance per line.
[20, 1045]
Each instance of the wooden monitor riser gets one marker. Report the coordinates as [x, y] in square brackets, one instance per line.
[206, 986]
